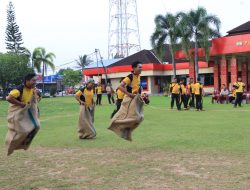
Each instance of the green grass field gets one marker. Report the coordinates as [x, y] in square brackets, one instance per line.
[170, 150]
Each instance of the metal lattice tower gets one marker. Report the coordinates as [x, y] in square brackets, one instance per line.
[124, 38]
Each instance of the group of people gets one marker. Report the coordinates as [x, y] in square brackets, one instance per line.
[110, 93]
[235, 96]
[23, 113]
[128, 89]
[189, 95]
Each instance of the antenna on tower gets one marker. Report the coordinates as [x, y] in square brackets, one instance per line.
[124, 38]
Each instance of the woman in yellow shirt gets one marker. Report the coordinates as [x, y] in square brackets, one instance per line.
[85, 96]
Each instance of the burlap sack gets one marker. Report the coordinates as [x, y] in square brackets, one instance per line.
[129, 116]
[86, 128]
[23, 125]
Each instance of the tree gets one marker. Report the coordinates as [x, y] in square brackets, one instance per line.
[71, 77]
[41, 58]
[166, 32]
[82, 61]
[13, 36]
[17, 67]
[199, 26]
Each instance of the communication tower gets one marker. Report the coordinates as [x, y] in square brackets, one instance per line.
[123, 37]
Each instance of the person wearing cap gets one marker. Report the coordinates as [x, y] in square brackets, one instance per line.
[86, 118]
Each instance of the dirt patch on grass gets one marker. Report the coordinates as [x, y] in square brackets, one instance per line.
[43, 168]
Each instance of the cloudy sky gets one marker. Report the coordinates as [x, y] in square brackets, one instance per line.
[70, 28]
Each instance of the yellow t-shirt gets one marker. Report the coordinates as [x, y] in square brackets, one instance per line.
[175, 88]
[192, 85]
[135, 83]
[99, 89]
[183, 89]
[198, 88]
[88, 94]
[241, 86]
[26, 96]
[120, 94]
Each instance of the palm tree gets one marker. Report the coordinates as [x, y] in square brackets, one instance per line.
[40, 57]
[199, 26]
[82, 62]
[166, 31]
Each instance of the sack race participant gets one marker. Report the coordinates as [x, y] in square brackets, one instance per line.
[130, 114]
[85, 96]
[23, 116]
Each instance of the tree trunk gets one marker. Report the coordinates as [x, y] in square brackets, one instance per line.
[174, 66]
[196, 66]
[173, 62]
[43, 78]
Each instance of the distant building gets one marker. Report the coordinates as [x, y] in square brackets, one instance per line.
[229, 58]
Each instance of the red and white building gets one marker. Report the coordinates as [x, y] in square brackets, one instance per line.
[229, 59]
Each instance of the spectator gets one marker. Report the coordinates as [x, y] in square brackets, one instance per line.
[175, 94]
[223, 94]
[215, 96]
[199, 92]
[99, 94]
[110, 93]
[183, 91]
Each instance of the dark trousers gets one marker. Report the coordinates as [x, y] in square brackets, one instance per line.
[198, 103]
[111, 97]
[99, 99]
[231, 99]
[239, 96]
[191, 102]
[177, 100]
[118, 105]
[184, 100]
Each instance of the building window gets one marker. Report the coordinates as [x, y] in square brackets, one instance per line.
[207, 79]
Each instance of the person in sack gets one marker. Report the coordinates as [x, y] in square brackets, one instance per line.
[85, 96]
[23, 116]
[130, 114]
